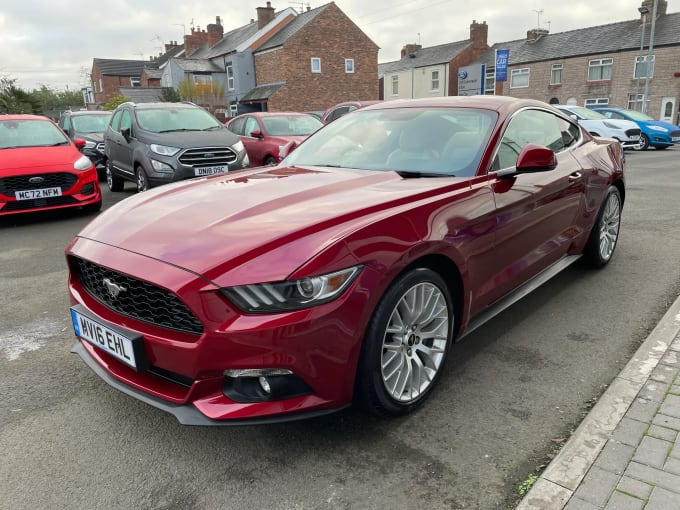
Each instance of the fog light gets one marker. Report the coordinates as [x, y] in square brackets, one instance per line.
[264, 384]
[88, 189]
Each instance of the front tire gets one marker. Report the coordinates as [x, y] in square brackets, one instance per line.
[406, 344]
[142, 180]
[644, 142]
[605, 233]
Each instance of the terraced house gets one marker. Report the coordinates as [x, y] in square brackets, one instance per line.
[601, 65]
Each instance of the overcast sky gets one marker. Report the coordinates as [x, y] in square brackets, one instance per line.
[53, 42]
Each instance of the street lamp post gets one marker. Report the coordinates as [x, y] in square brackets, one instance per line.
[649, 58]
[644, 10]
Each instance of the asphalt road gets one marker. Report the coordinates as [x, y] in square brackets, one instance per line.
[512, 392]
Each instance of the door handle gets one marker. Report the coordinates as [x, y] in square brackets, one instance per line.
[575, 176]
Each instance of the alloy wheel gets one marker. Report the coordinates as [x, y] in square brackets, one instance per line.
[609, 226]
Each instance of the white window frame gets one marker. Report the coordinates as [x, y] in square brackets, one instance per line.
[434, 81]
[229, 70]
[639, 60]
[349, 65]
[636, 104]
[519, 73]
[233, 110]
[101, 85]
[395, 84]
[315, 64]
[600, 64]
[490, 81]
[596, 101]
[135, 82]
[556, 74]
[202, 78]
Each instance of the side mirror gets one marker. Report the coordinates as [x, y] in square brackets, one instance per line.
[79, 142]
[126, 134]
[532, 158]
[256, 134]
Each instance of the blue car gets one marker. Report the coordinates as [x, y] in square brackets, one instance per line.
[655, 133]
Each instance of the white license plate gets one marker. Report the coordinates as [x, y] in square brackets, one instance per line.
[635, 137]
[675, 139]
[211, 170]
[30, 194]
[105, 338]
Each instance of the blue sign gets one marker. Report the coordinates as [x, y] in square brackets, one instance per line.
[462, 75]
[502, 57]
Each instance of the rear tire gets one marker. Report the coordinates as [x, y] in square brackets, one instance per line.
[114, 182]
[605, 233]
[406, 344]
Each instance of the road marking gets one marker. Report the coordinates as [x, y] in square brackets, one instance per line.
[29, 337]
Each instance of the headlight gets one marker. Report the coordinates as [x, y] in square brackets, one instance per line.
[238, 146]
[658, 128]
[163, 150]
[159, 166]
[610, 125]
[291, 295]
[89, 144]
[82, 164]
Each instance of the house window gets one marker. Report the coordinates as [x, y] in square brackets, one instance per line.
[490, 81]
[600, 69]
[395, 84]
[230, 76]
[597, 101]
[641, 67]
[349, 65]
[135, 82]
[434, 83]
[635, 101]
[316, 65]
[519, 78]
[202, 78]
[101, 85]
[556, 74]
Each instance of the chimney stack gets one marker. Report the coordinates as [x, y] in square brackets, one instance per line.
[409, 49]
[535, 34]
[264, 15]
[479, 33]
[215, 32]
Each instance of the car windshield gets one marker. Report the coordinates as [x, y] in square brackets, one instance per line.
[91, 123]
[419, 141]
[164, 120]
[291, 125]
[585, 113]
[635, 115]
[30, 133]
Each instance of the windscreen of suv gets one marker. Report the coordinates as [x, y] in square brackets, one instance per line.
[91, 123]
[177, 119]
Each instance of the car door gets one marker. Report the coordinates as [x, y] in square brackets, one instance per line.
[125, 142]
[536, 212]
[254, 144]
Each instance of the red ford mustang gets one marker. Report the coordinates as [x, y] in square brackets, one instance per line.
[41, 168]
[345, 273]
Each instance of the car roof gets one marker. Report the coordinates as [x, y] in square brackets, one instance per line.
[87, 112]
[482, 102]
[23, 116]
[159, 105]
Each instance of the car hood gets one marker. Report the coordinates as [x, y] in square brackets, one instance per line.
[661, 123]
[619, 123]
[33, 159]
[95, 137]
[187, 139]
[216, 225]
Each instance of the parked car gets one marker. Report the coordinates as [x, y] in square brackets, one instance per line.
[655, 133]
[157, 143]
[269, 136]
[340, 109]
[41, 169]
[625, 131]
[90, 125]
[345, 273]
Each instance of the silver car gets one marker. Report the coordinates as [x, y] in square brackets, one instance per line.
[625, 131]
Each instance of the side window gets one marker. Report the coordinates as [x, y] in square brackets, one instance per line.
[65, 123]
[533, 126]
[237, 125]
[126, 121]
[251, 125]
[115, 121]
[339, 112]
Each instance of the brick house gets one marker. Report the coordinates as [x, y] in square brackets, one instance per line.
[596, 66]
[431, 71]
[108, 75]
[318, 59]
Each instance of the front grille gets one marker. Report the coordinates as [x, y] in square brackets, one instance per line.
[632, 132]
[675, 134]
[63, 180]
[100, 147]
[208, 156]
[139, 299]
[36, 203]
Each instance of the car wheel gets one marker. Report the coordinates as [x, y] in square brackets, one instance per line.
[142, 181]
[92, 208]
[269, 161]
[406, 344]
[605, 233]
[644, 142]
[114, 182]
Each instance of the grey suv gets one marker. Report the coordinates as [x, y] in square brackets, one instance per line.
[90, 126]
[157, 143]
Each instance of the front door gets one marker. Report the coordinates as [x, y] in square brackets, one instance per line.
[667, 110]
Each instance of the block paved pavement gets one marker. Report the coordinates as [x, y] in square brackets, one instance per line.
[625, 455]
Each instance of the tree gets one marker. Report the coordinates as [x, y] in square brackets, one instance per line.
[114, 101]
[209, 94]
[15, 100]
[170, 95]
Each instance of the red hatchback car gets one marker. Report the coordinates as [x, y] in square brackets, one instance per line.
[270, 136]
[345, 273]
[41, 168]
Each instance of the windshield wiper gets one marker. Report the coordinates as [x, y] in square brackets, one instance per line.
[211, 128]
[175, 130]
[412, 174]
